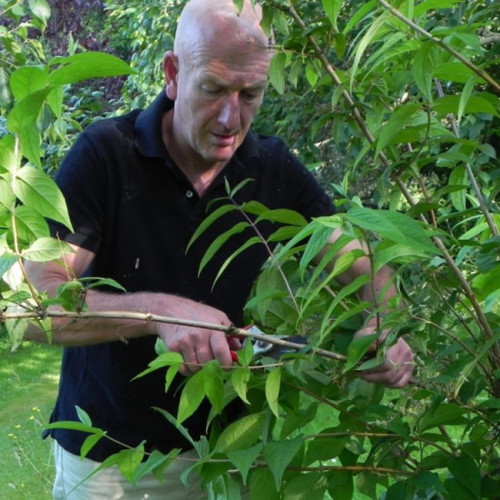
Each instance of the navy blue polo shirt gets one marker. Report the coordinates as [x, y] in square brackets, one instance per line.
[134, 208]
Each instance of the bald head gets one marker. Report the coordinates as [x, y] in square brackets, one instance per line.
[205, 22]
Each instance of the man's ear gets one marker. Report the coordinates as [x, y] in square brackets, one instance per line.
[171, 70]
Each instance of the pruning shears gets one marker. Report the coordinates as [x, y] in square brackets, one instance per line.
[262, 347]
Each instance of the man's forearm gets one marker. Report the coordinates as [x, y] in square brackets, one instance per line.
[87, 331]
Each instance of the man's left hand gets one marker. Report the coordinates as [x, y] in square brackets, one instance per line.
[397, 368]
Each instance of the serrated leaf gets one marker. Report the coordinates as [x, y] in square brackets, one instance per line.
[26, 80]
[191, 396]
[164, 360]
[242, 434]
[444, 414]
[370, 35]
[219, 242]
[244, 459]
[85, 65]
[466, 472]
[39, 192]
[332, 9]
[214, 386]
[279, 454]
[83, 416]
[45, 250]
[284, 216]
[156, 464]
[40, 9]
[307, 487]
[89, 443]
[252, 241]
[73, 426]
[273, 384]
[394, 226]
[475, 104]
[357, 349]
[239, 379]
[30, 224]
[458, 177]
[277, 72]
[208, 221]
[25, 112]
[6, 262]
[401, 118]
[128, 461]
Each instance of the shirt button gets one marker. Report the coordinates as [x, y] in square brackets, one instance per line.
[189, 193]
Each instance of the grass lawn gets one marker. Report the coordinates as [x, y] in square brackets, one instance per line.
[29, 379]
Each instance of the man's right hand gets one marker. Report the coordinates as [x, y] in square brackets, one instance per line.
[197, 345]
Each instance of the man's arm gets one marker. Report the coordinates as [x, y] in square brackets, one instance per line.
[196, 345]
[398, 366]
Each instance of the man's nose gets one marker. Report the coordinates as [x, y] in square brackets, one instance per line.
[229, 116]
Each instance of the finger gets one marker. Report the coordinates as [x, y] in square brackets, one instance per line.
[221, 349]
[191, 363]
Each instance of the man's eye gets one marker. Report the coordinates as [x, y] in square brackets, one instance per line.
[251, 96]
[211, 90]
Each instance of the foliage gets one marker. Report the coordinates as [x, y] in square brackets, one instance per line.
[404, 92]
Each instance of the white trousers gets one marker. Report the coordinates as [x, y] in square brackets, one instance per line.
[110, 484]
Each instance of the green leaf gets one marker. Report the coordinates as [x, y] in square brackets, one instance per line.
[214, 386]
[455, 72]
[357, 349]
[363, 12]
[394, 226]
[252, 241]
[475, 104]
[464, 98]
[273, 383]
[262, 485]
[89, 443]
[129, 461]
[466, 472]
[401, 118]
[332, 9]
[311, 486]
[371, 35]
[458, 177]
[284, 216]
[156, 464]
[244, 459]
[29, 141]
[277, 72]
[83, 416]
[444, 414]
[162, 361]
[30, 224]
[45, 250]
[208, 221]
[192, 395]
[25, 112]
[73, 426]
[219, 242]
[6, 262]
[240, 377]
[82, 66]
[26, 80]
[424, 64]
[279, 454]
[242, 434]
[39, 192]
[40, 9]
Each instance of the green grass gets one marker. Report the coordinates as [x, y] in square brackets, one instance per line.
[28, 380]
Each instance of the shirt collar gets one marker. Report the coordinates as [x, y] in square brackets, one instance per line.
[149, 139]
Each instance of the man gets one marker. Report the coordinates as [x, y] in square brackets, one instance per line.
[137, 187]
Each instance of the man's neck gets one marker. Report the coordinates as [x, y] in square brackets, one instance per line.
[199, 174]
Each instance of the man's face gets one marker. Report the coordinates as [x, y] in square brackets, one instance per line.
[217, 93]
